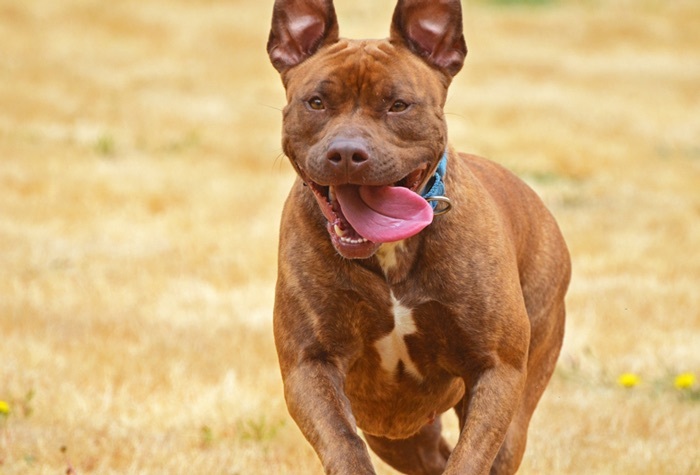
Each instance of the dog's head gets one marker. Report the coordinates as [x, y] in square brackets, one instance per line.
[364, 124]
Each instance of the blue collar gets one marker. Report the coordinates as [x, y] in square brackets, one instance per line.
[434, 191]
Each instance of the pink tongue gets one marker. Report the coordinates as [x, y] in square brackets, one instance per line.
[384, 213]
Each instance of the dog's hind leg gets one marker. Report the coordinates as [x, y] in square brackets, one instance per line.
[424, 453]
[543, 359]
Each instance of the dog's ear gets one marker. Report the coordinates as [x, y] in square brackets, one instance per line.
[432, 29]
[299, 29]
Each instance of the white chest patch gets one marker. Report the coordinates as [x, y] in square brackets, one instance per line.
[387, 255]
[392, 348]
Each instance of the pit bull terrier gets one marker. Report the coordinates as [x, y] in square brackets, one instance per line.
[412, 279]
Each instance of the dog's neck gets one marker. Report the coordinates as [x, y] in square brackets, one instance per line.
[395, 260]
[391, 257]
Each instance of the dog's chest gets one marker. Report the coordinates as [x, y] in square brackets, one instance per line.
[392, 348]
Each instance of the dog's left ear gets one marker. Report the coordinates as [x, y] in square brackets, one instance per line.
[432, 29]
[299, 29]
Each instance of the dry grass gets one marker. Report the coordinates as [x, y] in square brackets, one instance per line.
[142, 184]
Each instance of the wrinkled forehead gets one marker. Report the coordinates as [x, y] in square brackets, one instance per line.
[362, 66]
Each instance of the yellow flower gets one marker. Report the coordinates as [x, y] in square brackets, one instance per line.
[4, 408]
[684, 381]
[628, 380]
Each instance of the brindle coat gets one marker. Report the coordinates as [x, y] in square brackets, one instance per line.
[468, 314]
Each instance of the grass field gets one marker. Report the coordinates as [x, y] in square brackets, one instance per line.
[142, 183]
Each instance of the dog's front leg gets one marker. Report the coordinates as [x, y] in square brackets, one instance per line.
[492, 404]
[315, 398]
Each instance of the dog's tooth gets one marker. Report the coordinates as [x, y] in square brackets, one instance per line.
[348, 240]
[331, 194]
[339, 232]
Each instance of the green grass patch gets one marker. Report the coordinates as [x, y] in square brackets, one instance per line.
[105, 145]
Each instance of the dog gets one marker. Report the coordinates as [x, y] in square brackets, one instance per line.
[412, 279]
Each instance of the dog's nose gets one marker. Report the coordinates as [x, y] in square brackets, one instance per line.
[347, 155]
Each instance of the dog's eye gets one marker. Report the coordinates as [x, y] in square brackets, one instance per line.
[398, 106]
[316, 104]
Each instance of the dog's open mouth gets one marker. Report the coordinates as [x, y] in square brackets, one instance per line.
[361, 217]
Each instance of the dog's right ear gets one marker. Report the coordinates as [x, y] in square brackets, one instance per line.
[299, 29]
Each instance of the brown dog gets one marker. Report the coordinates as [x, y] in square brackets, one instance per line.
[385, 317]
